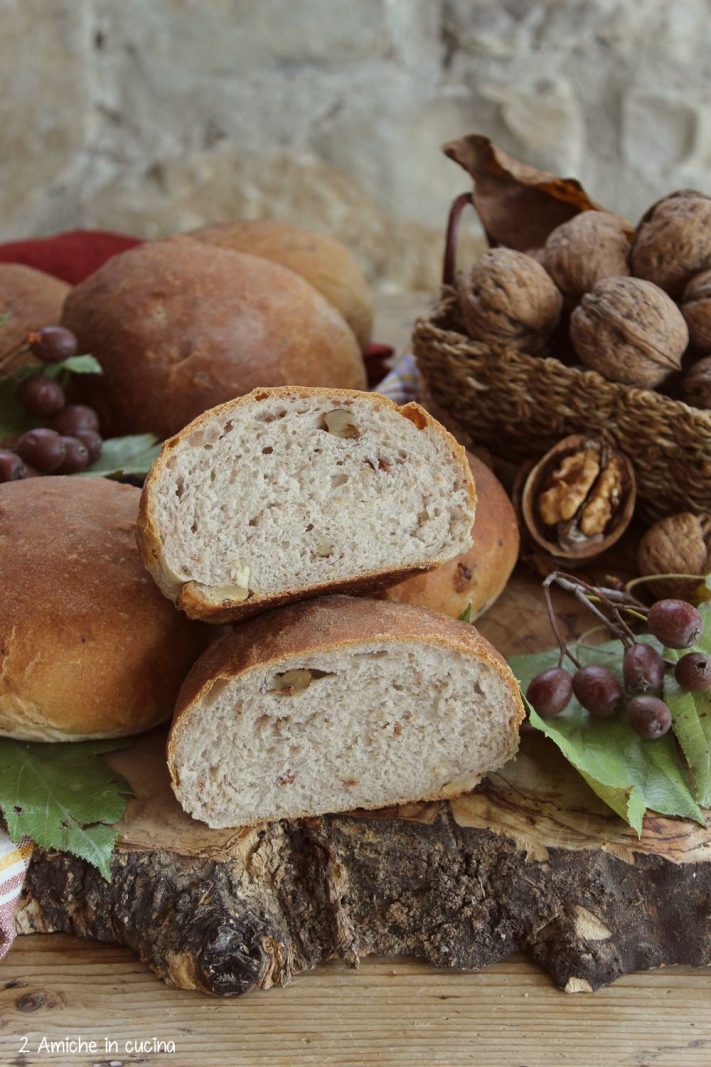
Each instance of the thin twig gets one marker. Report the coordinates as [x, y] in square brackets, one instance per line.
[564, 650]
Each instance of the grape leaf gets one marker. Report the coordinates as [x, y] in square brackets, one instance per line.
[63, 797]
[134, 454]
[627, 772]
[691, 713]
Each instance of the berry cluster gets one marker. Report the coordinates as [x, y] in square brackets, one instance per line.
[70, 441]
[675, 623]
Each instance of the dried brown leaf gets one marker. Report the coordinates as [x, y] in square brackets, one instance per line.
[519, 206]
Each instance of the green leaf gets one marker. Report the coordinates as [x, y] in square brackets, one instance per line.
[74, 365]
[13, 419]
[466, 615]
[134, 454]
[691, 713]
[627, 772]
[63, 797]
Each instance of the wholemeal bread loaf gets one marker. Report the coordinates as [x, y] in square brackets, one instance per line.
[324, 263]
[339, 703]
[472, 581]
[88, 646]
[29, 299]
[290, 492]
[179, 326]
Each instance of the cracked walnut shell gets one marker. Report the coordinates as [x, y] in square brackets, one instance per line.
[630, 331]
[578, 500]
[508, 299]
[586, 248]
[673, 241]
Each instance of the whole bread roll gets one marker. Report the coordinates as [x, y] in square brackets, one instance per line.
[478, 576]
[30, 299]
[339, 703]
[88, 646]
[324, 263]
[180, 326]
[290, 492]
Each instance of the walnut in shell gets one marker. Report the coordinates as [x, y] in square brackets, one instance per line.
[578, 500]
[696, 385]
[590, 246]
[678, 544]
[630, 331]
[673, 241]
[508, 299]
[696, 309]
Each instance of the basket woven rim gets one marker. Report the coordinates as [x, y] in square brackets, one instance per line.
[665, 404]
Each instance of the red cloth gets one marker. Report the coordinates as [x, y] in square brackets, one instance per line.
[70, 256]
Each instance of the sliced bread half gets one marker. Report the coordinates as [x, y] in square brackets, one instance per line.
[339, 703]
[289, 492]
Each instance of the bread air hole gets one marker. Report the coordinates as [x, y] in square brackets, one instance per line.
[216, 690]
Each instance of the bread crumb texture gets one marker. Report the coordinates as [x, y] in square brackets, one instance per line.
[288, 489]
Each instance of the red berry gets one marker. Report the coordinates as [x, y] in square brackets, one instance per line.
[75, 417]
[649, 717]
[41, 395]
[76, 456]
[675, 623]
[597, 690]
[42, 448]
[12, 469]
[52, 344]
[693, 672]
[93, 443]
[550, 691]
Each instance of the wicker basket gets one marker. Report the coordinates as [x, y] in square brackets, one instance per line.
[520, 405]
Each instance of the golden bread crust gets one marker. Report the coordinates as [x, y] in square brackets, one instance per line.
[180, 326]
[88, 646]
[31, 299]
[478, 576]
[325, 263]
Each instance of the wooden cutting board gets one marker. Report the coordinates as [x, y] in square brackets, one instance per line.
[530, 861]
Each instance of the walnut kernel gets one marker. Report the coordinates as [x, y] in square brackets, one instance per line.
[568, 487]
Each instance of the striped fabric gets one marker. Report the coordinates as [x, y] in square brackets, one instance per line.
[402, 384]
[14, 860]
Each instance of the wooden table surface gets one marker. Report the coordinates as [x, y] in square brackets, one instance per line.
[56, 988]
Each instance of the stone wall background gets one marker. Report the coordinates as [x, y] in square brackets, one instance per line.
[153, 116]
